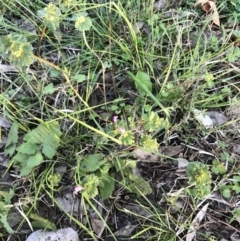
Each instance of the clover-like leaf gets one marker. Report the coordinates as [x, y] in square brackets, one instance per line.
[82, 21]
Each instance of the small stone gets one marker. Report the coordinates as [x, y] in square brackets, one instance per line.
[60, 235]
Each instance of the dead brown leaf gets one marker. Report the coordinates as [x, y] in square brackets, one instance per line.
[97, 225]
[209, 6]
[170, 150]
[145, 156]
[237, 43]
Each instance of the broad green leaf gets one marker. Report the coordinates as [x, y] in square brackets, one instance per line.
[91, 163]
[106, 188]
[144, 79]
[146, 90]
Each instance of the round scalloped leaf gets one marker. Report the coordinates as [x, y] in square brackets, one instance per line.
[82, 22]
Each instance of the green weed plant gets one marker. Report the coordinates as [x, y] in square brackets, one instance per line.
[38, 144]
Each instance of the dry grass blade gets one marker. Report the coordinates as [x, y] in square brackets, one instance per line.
[195, 223]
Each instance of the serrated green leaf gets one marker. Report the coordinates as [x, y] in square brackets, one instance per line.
[153, 122]
[8, 196]
[48, 89]
[91, 163]
[198, 173]
[49, 150]
[236, 188]
[201, 192]
[3, 210]
[149, 144]
[31, 162]
[66, 5]
[28, 148]
[10, 149]
[20, 158]
[47, 133]
[236, 178]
